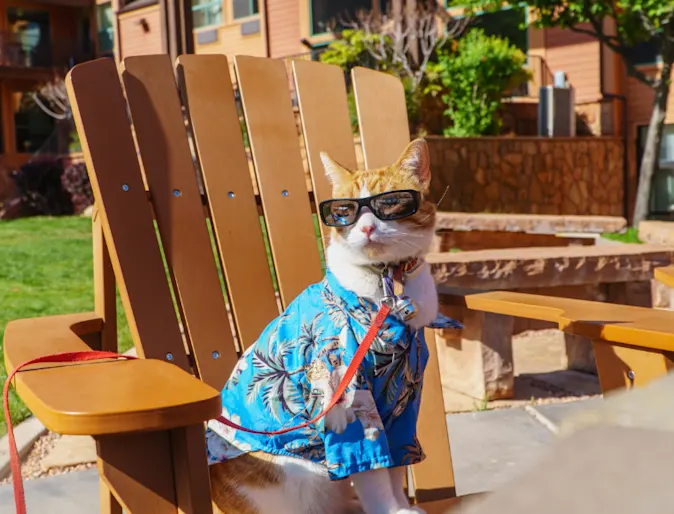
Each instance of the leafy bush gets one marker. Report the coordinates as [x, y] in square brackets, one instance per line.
[350, 50]
[45, 188]
[424, 103]
[75, 181]
[477, 72]
[39, 188]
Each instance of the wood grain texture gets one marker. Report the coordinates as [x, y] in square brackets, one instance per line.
[139, 471]
[276, 153]
[224, 165]
[126, 215]
[382, 116]
[434, 477]
[159, 125]
[191, 477]
[105, 290]
[80, 399]
[625, 367]
[326, 125]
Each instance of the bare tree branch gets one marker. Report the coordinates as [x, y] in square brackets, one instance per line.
[52, 98]
[407, 39]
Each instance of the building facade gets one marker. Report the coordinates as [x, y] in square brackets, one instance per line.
[608, 101]
[38, 40]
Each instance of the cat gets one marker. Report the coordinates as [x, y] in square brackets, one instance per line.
[295, 473]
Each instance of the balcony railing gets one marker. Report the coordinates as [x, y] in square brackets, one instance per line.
[14, 52]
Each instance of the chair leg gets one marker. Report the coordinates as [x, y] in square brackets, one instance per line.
[622, 366]
[193, 483]
[109, 504]
[138, 468]
[155, 472]
[433, 478]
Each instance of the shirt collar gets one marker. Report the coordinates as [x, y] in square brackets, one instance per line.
[345, 295]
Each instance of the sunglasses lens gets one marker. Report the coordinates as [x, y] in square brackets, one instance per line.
[339, 213]
[394, 205]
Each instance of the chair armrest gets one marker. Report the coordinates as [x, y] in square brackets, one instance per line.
[100, 397]
[652, 329]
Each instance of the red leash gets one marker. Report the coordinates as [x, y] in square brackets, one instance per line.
[15, 462]
[350, 373]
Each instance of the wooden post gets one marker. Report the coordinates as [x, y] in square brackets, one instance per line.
[105, 295]
[105, 305]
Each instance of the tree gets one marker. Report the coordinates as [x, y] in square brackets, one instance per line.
[620, 25]
[407, 38]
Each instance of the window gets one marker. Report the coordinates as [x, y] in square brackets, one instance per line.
[104, 23]
[644, 53]
[243, 8]
[662, 186]
[509, 23]
[666, 145]
[206, 13]
[326, 14]
[31, 30]
[32, 125]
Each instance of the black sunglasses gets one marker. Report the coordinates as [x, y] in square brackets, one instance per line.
[393, 205]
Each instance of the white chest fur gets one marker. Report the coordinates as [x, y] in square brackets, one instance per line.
[367, 284]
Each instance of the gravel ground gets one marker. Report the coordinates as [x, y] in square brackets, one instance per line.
[31, 467]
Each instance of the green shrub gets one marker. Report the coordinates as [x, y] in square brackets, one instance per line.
[477, 72]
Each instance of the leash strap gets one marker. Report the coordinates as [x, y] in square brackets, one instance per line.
[350, 373]
[14, 461]
[72, 357]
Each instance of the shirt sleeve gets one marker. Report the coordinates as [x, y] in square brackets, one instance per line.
[352, 432]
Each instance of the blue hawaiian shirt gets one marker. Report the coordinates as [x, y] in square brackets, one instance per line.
[288, 376]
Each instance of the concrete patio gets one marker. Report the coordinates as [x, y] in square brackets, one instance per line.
[488, 449]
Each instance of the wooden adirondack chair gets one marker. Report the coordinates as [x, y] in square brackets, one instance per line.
[147, 416]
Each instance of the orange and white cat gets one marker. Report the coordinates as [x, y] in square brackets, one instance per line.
[262, 483]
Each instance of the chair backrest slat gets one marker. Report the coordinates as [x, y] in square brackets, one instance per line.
[164, 150]
[205, 84]
[326, 124]
[100, 115]
[382, 116]
[275, 146]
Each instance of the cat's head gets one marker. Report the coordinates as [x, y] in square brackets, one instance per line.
[370, 239]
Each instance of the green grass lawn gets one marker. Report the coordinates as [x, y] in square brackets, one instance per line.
[46, 269]
[630, 236]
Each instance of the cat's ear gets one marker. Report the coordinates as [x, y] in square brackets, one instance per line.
[415, 161]
[336, 173]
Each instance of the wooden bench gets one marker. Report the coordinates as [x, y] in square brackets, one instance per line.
[148, 415]
[478, 362]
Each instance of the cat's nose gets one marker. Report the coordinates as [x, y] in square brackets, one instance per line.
[367, 230]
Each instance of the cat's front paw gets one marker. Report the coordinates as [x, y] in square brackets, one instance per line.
[336, 419]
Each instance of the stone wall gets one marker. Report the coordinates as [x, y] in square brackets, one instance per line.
[528, 175]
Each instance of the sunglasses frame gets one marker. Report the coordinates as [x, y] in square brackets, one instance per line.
[367, 202]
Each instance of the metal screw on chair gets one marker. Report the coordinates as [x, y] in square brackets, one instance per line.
[125, 187]
[285, 192]
[169, 356]
[216, 355]
[630, 376]
[176, 192]
[231, 194]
